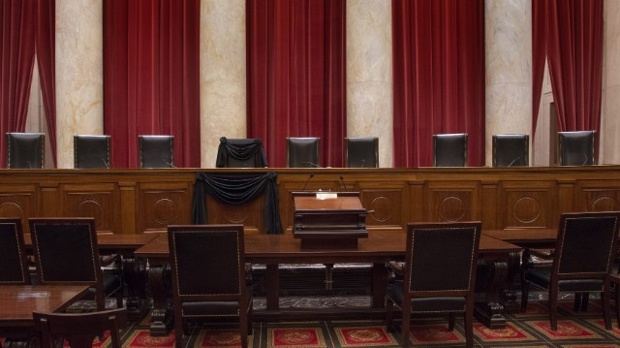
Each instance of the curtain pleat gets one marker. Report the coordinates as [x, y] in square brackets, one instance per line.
[151, 76]
[439, 81]
[296, 75]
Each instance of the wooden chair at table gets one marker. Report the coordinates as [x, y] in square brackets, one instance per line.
[13, 259]
[25, 150]
[511, 150]
[303, 152]
[582, 260]
[361, 152]
[79, 330]
[438, 276]
[209, 276]
[156, 151]
[91, 151]
[450, 150]
[66, 251]
[576, 148]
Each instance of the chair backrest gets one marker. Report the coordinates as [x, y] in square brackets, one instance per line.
[80, 329]
[441, 259]
[13, 260]
[450, 150]
[66, 252]
[361, 152]
[511, 150]
[302, 152]
[156, 151]
[91, 151]
[240, 153]
[207, 262]
[586, 245]
[25, 150]
[576, 148]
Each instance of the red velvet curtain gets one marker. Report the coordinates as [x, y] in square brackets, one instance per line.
[439, 81]
[296, 75]
[24, 25]
[151, 76]
[573, 46]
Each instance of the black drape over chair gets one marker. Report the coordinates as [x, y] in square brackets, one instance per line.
[302, 152]
[439, 275]
[361, 152]
[208, 276]
[241, 153]
[91, 151]
[582, 259]
[25, 150]
[576, 148]
[511, 150]
[450, 150]
[235, 189]
[66, 251]
[79, 329]
[156, 151]
[13, 259]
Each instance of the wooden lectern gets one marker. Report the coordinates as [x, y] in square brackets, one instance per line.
[329, 220]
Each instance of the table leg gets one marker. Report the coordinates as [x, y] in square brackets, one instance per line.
[272, 285]
[158, 276]
[379, 285]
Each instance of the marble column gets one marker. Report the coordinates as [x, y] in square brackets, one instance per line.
[508, 55]
[369, 73]
[222, 74]
[610, 116]
[79, 73]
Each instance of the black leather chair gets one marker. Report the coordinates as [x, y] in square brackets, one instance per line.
[302, 152]
[156, 151]
[240, 153]
[91, 151]
[25, 150]
[66, 251]
[13, 259]
[361, 152]
[582, 260]
[439, 275]
[209, 276]
[450, 150]
[511, 150]
[576, 148]
[79, 330]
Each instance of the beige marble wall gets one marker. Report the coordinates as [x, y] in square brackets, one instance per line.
[222, 74]
[369, 73]
[79, 73]
[508, 69]
[610, 117]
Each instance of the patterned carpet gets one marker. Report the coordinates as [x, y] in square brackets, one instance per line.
[529, 329]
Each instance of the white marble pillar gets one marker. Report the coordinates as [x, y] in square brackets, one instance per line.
[222, 74]
[369, 73]
[610, 116]
[79, 73]
[508, 48]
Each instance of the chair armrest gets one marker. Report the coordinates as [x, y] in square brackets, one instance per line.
[397, 267]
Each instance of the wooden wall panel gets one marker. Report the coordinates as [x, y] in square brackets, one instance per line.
[452, 201]
[527, 206]
[20, 201]
[249, 214]
[162, 204]
[93, 200]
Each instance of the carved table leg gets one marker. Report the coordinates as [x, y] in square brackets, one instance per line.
[495, 278]
[134, 274]
[161, 316]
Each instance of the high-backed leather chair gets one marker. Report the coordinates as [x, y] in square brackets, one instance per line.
[439, 275]
[302, 152]
[511, 150]
[156, 151]
[66, 251]
[240, 153]
[208, 276]
[91, 151]
[13, 260]
[25, 150]
[361, 152]
[576, 148]
[79, 329]
[450, 150]
[582, 259]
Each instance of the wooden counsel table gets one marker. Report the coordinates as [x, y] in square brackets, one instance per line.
[499, 259]
[19, 301]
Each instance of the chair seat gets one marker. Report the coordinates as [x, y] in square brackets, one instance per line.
[428, 304]
[541, 276]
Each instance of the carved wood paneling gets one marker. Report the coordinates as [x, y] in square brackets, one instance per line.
[93, 200]
[527, 206]
[597, 195]
[249, 214]
[451, 203]
[20, 201]
[163, 204]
